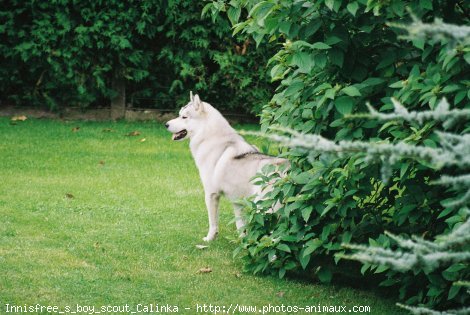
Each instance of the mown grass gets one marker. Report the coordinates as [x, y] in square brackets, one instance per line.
[91, 216]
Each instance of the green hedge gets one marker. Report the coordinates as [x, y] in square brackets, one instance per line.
[68, 53]
[333, 57]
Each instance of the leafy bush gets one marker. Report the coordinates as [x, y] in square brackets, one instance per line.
[70, 54]
[198, 55]
[335, 57]
[446, 260]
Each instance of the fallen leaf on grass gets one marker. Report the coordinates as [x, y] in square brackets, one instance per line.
[142, 140]
[201, 246]
[280, 294]
[133, 133]
[97, 246]
[19, 118]
[205, 270]
[75, 129]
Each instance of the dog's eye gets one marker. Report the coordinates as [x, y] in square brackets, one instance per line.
[184, 117]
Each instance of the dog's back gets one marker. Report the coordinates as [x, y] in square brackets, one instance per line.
[235, 171]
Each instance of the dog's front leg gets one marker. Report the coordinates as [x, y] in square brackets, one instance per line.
[212, 203]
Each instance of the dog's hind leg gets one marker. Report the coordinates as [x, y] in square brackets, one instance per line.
[212, 203]
[240, 223]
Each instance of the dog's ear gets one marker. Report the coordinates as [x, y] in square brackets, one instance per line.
[197, 103]
[191, 97]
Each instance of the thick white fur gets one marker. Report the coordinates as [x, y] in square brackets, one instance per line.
[226, 162]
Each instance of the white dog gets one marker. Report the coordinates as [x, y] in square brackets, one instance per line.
[226, 162]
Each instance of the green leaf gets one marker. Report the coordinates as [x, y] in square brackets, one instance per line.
[352, 8]
[304, 61]
[387, 59]
[397, 85]
[381, 269]
[327, 209]
[373, 81]
[324, 274]
[311, 246]
[283, 247]
[426, 4]
[398, 8]
[337, 122]
[124, 43]
[346, 238]
[445, 212]
[304, 260]
[451, 88]
[333, 5]
[325, 233]
[302, 178]
[234, 14]
[290, 265]
[435, 291]
[277, 72]
[284, 27]
[351, 91]
[206, 9]
[388, 282]
[320, 60]
[306, 212]
[336, 56]
[466, 56]
[419, 42]
[430, 143]
[454, 219]
[344, 104]
[454, 290]
[364, 268]
[294, 88]
[320, 45]
[459, 97]
[258, 37]
[260, 9]
[332, 39]
[452, 273]
[330, 4]
[407, 208]
[403, 168]
[238, 27]
[451, 55]
[330, 94]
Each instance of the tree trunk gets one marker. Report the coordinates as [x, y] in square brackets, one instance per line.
[118, 103]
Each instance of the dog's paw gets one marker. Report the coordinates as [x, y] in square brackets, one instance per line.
[210, 237]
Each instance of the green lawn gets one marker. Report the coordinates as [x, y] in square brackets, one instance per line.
[93, 217]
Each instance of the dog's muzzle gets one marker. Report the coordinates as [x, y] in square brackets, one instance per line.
[180, 135]
[176, 135]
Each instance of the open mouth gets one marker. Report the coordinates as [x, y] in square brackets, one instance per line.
[180, 135]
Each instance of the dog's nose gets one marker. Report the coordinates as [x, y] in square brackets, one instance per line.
[167, 125]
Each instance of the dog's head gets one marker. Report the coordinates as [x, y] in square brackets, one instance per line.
[184, 125]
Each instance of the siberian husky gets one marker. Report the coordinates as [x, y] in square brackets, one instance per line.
[226, 162]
